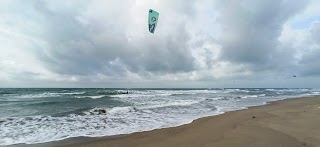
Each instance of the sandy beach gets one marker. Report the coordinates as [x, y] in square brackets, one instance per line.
[286, 123]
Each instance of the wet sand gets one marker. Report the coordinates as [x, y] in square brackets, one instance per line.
[287, 123]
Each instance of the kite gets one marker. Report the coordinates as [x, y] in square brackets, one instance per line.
[153, 20]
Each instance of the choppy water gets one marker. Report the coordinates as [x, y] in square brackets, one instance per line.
[42, 115]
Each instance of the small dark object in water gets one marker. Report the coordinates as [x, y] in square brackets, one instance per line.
[100, 111]
[103, 111]
[125, 92]
[253, 117]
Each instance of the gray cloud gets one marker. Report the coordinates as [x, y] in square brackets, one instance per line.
[251, 29]
[97, 42]
[309, 64]
[74, 47]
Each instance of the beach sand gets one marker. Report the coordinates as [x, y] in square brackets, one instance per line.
[286, 123]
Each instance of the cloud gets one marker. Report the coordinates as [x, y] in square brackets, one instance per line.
[90, 40]
[251, 29]
[310, 58]
[94, 42]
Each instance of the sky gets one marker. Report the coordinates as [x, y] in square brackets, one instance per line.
[197, 44]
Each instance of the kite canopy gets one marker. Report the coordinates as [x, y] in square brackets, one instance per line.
[153, 20]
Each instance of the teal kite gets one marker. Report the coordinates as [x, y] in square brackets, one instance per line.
[153, 20]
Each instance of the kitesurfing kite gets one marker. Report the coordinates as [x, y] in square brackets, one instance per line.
[153, 20]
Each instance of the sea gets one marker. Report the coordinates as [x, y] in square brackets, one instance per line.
[38, 115]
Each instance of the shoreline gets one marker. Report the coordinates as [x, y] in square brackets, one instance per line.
[220, 124]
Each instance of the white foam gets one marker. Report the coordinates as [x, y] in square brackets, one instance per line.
[45, 128]
[70, 93]
[92, 97]
[315, 93]
[47, 94]
[176, 103]
[121, 110]
[37, 95]
[254, 96]
[159, 93]
[131, 95]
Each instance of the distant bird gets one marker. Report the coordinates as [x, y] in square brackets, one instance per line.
[294, 76]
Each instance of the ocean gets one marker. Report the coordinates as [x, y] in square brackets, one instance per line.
[42, 115]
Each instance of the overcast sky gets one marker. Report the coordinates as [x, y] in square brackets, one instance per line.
[197, 43]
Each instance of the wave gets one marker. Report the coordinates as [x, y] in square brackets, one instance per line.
[130, 109]
[92, 97]
[162, 93]
[254, 96]
[315, 93]
[65, 93]
[96, 111]
[289, 90]
[42, 95]
[40, 129]
[5, 93]
[48, 94]
[131, 95]
[114, 110]
[127, 109]
[169, 104]
[111, 92]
